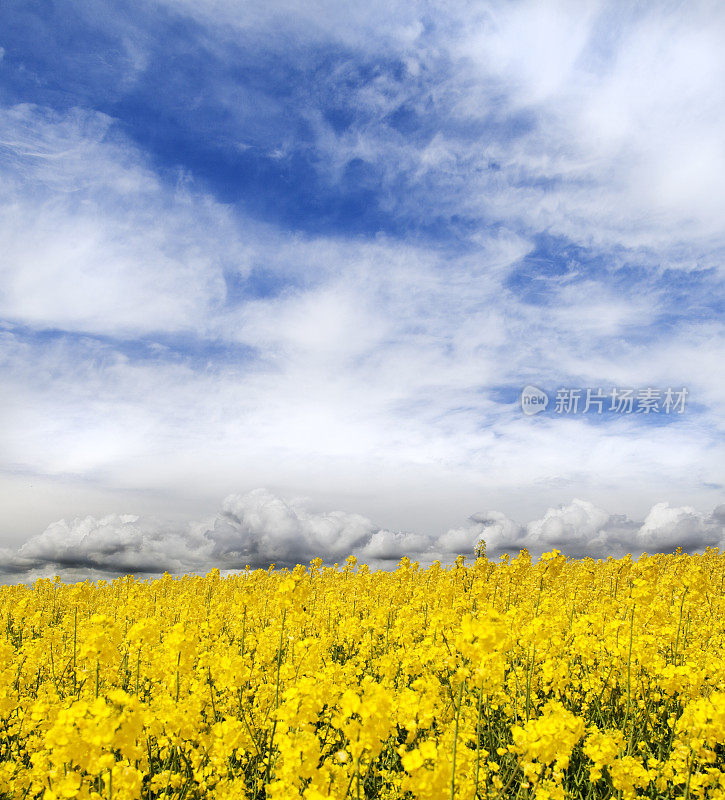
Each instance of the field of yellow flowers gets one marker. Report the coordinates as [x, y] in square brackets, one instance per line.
[554, 679]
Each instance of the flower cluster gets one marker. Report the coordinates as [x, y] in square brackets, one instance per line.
[549, 679]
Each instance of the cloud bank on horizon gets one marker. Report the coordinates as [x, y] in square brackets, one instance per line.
[258, 529]
[322, 247]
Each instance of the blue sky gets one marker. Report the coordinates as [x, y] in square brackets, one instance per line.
[321, 247]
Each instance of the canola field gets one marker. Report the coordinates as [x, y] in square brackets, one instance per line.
[554, 679]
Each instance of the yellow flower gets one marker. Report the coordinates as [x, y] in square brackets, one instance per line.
[329, 681]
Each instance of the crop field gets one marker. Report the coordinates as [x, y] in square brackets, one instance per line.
[509, 679]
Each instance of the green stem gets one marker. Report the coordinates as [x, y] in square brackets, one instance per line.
[478, 736]
[276, 700]
[455, 741]
[629, 669]
[75, 638]
[679, 626]
[530, 673]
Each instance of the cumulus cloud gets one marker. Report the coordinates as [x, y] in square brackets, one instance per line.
[113, 544]
[500, 533]
[581, 529]
[390, 546]
[258, 529]
[668, 528]
[255, 529]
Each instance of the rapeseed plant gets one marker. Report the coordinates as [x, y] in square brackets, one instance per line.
[555, 679]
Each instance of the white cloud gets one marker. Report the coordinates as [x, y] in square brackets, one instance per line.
[666, 527]
[604, 121]
[390, 546]
[533, 47]
[259, 528]
[256, 528]
[92, 242]
[582, 529]
[121, 543]
[632, 133]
